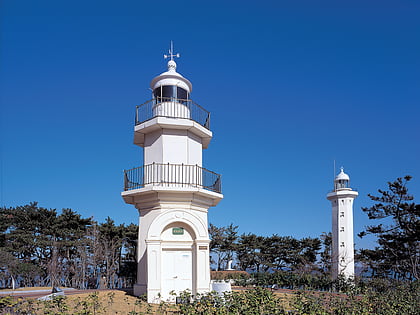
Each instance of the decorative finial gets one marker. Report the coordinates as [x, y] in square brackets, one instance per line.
[342, 169]
[171, 63]
[171, 53]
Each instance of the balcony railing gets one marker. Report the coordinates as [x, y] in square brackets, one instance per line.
[172, 108]
[172, 175]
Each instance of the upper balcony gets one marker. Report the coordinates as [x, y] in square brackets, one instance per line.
[172, 108]
[173, 176]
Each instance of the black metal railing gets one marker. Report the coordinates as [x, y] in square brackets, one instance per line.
[172, 108]
[172, 175]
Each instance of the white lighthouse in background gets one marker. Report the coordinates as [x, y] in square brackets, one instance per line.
[172, 191]
[342, 226]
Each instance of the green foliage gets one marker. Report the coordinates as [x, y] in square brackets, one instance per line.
[259, 253]
[40, 247]
[91, 305]
[7, 303]
[223, 243]
[326, 261]
[250, 251]
[237, 276]
[398, 232]
[402, 298]
[56, 306]
[384, 296]
[291, 280]
[111, 296]
[257, 301]
[27, 271]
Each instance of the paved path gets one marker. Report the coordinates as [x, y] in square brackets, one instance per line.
[43, 292]
[15, 292]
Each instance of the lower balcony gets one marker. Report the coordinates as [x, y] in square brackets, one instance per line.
[172, 175]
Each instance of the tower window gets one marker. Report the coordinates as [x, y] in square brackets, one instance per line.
[342, 244]
[342, 214]
[341, 183]
[170, 92]
[182, 94]
[342, 229]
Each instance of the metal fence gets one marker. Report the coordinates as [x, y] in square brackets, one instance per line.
[172, 108]
[172, 175]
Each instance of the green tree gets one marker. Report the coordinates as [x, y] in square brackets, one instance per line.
[128, 255]
[229, 243]
[69, 235]
[306, 255]
[223, 243]
[325, 255]
[216, 243]
[277, 252]
[372, 259]
[38, 246]
[26, 238]
[8, 267]
[250, 252]
[111, 237]
[43, 242]
[398, 231]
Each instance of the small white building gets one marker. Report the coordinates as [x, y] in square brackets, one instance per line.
[172, 191]
[342, 226]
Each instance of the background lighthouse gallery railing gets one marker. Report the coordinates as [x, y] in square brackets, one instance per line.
[175, 175]
[173, 108]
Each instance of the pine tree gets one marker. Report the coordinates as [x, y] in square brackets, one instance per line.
[398, 231]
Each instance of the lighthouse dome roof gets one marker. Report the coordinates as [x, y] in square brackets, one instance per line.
[171, 77]
[342, 175]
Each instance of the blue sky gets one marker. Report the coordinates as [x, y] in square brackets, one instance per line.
[291, 85]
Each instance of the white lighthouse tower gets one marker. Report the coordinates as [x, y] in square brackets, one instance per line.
[342, 226]
[172, 191]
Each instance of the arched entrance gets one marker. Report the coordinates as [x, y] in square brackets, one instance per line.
[178, 255]
[177, 258]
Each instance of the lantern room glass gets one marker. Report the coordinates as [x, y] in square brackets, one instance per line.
[166, 92]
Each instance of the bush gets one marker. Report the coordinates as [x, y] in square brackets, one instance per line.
[290, 280]
[257, 301]
[230, 275]
[401, 298]
[364, 297]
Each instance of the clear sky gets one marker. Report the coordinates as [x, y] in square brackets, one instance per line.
[291, 85]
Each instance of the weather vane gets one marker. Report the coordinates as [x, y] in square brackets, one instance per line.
[171, 53]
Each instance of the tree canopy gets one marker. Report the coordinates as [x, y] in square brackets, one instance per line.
[397, 231]
[260, 253]
[40, 246]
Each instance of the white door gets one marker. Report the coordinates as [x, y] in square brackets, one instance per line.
[176, 272]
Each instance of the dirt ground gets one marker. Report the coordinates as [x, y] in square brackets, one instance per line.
[115, 301]
[112, 302]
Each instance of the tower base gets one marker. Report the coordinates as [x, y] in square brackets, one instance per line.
[139, 289]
